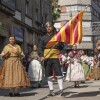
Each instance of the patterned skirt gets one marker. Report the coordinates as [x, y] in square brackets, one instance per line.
[75, 72]
[13, 74]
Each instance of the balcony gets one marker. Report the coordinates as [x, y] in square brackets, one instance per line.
[28, 21]
[18, 15]
[8, 6]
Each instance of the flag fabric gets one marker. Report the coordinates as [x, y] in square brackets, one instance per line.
[70, 33]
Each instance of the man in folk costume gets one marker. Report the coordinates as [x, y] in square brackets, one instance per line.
[50, 56]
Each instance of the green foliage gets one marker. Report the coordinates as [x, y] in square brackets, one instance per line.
[55, 10]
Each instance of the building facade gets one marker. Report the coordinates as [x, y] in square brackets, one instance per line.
[24, 19]
[92, 15]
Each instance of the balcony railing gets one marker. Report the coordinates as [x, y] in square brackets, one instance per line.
[18, 15]
[9, 3]
[28, 21]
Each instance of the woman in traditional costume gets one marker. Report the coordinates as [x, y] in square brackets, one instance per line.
[85, 62]
[75, 72]
[12, 72]
[35, 68]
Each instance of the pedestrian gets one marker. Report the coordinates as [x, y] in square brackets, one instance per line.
[85, 62]
[35, 68]
[75, 72]
[12, 73]
[50, 55]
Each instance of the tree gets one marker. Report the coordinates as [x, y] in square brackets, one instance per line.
[55, 10]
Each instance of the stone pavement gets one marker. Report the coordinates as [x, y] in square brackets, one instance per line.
[89, 90]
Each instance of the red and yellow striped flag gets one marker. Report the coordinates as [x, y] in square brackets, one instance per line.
[70, 33]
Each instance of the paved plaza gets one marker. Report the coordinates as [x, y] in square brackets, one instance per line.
[87, 91]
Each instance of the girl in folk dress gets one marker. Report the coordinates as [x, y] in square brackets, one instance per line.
[12, 72]
[75, 71]
[35, 68]
[85, 65]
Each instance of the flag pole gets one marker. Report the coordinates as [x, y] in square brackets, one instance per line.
[51, 49]
[86, 7]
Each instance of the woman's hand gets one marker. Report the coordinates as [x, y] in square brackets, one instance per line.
[22, 55]
[5, 54]
[14, 50]
[2, 54]
[42, 58]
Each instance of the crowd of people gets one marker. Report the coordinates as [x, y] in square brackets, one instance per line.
[44, 61]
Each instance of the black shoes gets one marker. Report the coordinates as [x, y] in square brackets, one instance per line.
[14, 95]
[61, 93]
[11, 94]
[51, 93]
[76, 86]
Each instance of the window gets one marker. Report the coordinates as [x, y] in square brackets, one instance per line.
[95, 12]
[86, 39]
[77, 8]
[9, 3]
[28, 21]
[27, 4]
[72, 8]
[68, 8]
[36, 17]
[86, 24]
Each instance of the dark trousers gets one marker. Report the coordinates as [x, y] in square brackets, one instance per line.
[52, 63]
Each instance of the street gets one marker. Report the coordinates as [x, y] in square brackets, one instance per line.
[88, 90]
[44, 38]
